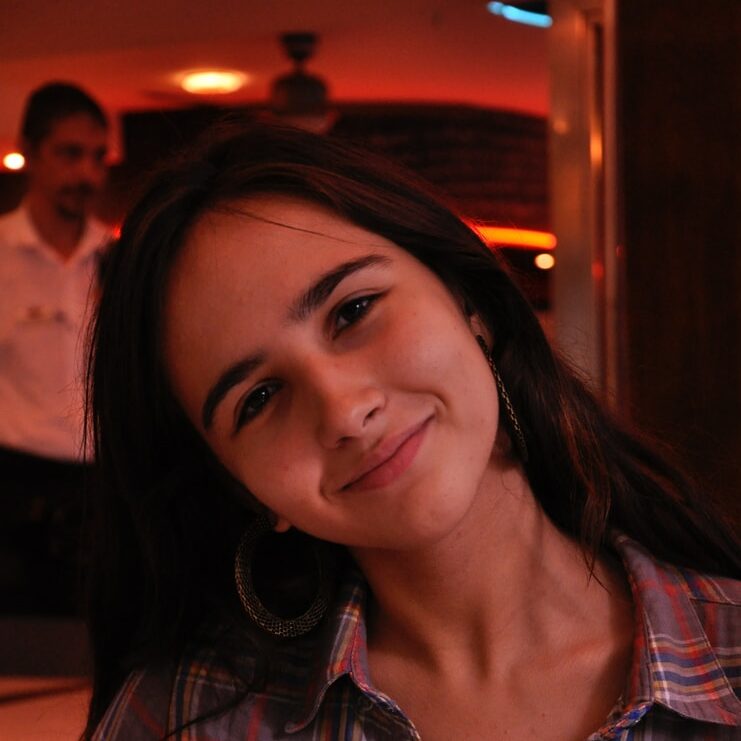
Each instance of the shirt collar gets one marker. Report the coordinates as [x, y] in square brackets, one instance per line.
[674, 663]
[94, 239]
[343, 650]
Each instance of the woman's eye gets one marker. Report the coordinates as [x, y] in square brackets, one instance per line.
[352, 311]
[254, 403]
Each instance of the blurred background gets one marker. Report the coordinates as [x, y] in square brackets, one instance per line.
[594, 142]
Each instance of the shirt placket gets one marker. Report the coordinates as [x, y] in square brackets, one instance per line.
[372, 700]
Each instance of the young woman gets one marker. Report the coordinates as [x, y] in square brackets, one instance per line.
[349, 491]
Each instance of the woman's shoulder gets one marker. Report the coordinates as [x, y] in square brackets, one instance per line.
[690, 635]
[229, 681]
[678, 596]
[208, 677]
[650, 574]
[140, 708]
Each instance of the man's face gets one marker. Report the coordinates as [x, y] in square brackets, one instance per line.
[67, 168]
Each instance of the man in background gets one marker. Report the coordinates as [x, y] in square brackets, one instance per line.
[50, 252]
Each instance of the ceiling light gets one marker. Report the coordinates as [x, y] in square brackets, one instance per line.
[14, 161]
[535, 16]
[544, 261]
[213, 81]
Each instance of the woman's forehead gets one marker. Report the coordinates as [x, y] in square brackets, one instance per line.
[257, 254]
[274, 237]
[279, 219]
[268, 244]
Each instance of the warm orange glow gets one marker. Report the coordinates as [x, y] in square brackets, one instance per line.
[544, 261]
[213, 81]
[14, 161]
[525, 238]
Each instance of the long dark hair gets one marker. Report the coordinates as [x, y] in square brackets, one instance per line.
[167, 519]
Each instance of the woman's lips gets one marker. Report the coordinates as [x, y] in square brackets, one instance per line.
[403, 451]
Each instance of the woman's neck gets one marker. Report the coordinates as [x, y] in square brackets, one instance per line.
[505, 583]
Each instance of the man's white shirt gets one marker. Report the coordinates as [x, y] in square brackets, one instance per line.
[45, 307]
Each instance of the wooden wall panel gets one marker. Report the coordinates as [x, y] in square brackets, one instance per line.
[680, 92]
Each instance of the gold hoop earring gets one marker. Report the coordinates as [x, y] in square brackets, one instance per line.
[256, 611]
[506, 402]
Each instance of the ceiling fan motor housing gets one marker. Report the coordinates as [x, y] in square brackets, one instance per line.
[299, 93]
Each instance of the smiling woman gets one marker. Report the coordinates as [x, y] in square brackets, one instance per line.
[304, 359]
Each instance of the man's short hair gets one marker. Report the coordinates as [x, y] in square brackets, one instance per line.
[51, 103]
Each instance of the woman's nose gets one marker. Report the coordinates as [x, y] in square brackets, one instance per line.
[348, 405]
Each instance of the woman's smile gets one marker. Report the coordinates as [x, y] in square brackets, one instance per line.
[390, 459]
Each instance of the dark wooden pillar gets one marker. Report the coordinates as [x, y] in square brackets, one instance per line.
[679, 94]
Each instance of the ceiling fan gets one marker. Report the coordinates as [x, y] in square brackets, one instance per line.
[299, 98]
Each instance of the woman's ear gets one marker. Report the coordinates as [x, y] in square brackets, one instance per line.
[280, 524]
[478, 328]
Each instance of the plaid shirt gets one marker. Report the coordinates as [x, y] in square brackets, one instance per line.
[684, 682]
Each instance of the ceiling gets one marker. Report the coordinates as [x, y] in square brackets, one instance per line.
[128, 53]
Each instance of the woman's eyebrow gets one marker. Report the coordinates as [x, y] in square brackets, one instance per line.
[233, 375]
[319, 291]
[300, 310]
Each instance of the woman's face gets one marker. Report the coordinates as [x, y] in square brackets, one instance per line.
[332, 373]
